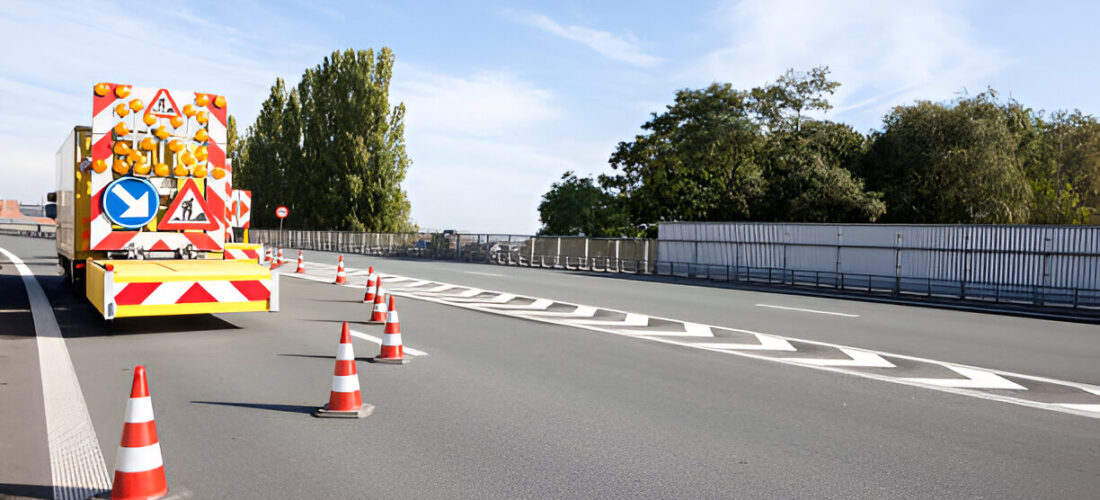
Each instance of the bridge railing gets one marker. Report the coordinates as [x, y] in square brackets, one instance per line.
[639, 256]
[32, 229]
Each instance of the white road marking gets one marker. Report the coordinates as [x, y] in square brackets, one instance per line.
[860, 358]
[777, 343]
[495, 275]
[76, 462]
[975, 379]
[370, 338]
[690, 330]
[815, 311]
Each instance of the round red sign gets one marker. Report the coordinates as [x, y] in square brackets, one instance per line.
[281, 212]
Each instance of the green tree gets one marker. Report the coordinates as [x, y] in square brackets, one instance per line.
[332, 149]
[576, 206]
[951, 164]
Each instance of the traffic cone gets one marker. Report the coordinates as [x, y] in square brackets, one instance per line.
[272, 262]
[301, 264]
[280, 257]
[268, 255]
[378, 315]
[139, 468]
[392, 350]
[345, 401]
[341, 276]
[368, 297]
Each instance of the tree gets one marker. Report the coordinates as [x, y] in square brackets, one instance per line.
[949, 164]
[332, 148]
[577, 206]
[698, 161]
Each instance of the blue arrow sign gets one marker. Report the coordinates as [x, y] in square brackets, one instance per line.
[130, 202]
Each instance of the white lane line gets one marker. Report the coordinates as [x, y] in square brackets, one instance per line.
[815, 311]
[859, 359]
[495, 275]
[371, 338]
[76, 462]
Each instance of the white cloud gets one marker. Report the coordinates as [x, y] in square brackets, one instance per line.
[883, 53]
[625, 49]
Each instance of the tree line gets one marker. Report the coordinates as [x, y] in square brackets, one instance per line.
[331, 149]
[724, 154]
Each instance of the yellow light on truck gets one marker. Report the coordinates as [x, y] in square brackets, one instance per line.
[201, 135]
[121, 110]
[120, 166]
[136, 104]
[122, 91]
[160, 169]
[202, 99]
[121, 148]
[219, 173]
[101, 89]
[180, 170]
[142, 167]
[202, 117]
[187, 159]
[149, 119]
[99, 166]
[188, 110]
[176, 122]
[121, 129]
[199, 171]
[200, 153]
[135, 157]
[147, 144]
[219, 101]
[161, 132]
[175, 145]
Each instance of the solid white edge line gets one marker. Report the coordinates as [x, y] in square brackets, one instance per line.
[77, 467]
[815, 311]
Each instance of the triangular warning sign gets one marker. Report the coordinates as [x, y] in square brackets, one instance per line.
[163, 105]
[188, 211]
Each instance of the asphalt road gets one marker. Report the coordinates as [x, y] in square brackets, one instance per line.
[502, 407]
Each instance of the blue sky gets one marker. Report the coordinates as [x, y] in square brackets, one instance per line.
[505, 96]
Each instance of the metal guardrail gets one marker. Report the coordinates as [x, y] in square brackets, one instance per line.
[639, 257]
[31, 229]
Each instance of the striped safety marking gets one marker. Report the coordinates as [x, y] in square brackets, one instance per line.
[191, 292]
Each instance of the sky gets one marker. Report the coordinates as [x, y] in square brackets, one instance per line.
[504, 97]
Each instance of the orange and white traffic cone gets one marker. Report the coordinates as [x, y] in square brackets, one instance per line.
[392, 350]
[378, 315]
[341, 276]
[139, 468]
[345, 400]
[272, 262]
[368, 296]
[267, 256]
[280, 257]
[301, 264]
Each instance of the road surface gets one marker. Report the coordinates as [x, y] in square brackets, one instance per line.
[546, 384]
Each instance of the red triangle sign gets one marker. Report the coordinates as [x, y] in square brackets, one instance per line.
[188, 211]
[163, 105]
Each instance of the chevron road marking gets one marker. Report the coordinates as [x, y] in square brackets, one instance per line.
[975, 379]
[860, 358]
[973, 382]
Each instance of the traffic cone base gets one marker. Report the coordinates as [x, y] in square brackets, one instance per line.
[364, 411]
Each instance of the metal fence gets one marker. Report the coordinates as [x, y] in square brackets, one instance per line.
[1045, 266]
[564, 252]
[24, 228]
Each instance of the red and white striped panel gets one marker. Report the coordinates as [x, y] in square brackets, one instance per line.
[191, 292]
[241, 254]
[104, 119]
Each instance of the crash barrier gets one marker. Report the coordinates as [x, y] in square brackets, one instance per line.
[641, 256]
[31, 229]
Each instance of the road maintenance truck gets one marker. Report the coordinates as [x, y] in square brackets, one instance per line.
[145, 208]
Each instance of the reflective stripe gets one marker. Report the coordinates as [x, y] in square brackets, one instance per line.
[139, 410]
[138, 459]
[391, 339]
[393, 317]
[345, 353]
[345, 383]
